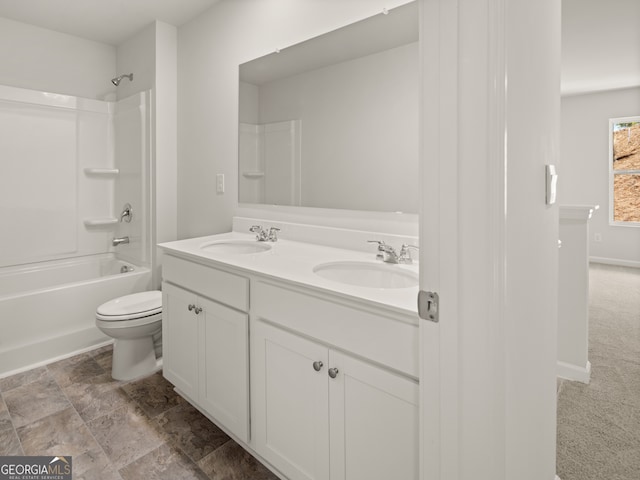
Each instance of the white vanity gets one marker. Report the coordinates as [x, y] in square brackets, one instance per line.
[313, 373]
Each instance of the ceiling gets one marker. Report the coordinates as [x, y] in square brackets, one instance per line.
[106, 21]
[600, 45]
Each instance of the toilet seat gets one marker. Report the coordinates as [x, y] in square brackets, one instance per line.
[131, 307]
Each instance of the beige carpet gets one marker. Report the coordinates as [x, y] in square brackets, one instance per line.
[599, 423]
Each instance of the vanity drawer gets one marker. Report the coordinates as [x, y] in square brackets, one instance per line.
[389, 341]
[218, 285]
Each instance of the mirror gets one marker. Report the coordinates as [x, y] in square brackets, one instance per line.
[333, 122]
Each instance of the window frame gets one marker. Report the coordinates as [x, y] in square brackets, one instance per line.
[613, 173]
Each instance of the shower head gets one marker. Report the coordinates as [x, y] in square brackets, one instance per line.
[116, 81]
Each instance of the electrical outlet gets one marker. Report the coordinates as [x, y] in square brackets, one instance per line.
[597, 237]
[220, 183]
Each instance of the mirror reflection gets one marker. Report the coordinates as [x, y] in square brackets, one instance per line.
[333, 122]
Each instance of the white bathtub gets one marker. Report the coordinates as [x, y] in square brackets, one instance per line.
[47, 310]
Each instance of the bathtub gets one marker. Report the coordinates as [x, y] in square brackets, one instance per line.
[47, 310]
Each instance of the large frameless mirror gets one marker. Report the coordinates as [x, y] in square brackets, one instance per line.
[333, 122]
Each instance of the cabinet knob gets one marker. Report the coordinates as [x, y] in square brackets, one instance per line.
[191, 306]
[333, 372]
[317, 366]
[198, 310]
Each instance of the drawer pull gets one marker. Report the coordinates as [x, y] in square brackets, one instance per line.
[317, 366]
[333, 372]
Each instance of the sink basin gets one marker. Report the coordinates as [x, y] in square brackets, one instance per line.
[364, 274]
[235, 247]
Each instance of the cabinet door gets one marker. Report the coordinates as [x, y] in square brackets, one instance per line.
[289, 400]
[373, 422]
[224, 366]
[180, 339]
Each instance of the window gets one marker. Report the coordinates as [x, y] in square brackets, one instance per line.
[624, 171]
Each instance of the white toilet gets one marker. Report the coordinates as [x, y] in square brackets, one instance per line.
[135, 322]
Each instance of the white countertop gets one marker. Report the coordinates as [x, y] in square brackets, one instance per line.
[293, 262]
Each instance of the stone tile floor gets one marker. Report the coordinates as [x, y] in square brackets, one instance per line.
[115, 430]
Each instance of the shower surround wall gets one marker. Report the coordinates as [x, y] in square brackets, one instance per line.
[47, 141]
[69, 165]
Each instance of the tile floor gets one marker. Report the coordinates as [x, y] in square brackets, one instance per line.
[115, 430]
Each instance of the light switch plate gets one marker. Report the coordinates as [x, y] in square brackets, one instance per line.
[220, 183]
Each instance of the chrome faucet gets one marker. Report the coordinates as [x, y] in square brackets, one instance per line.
[405, 253]
[127, 213]
[263, 235]
[388, 254]
[119, 241]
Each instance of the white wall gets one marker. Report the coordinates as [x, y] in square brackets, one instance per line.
[531, 249]
[210, 48]
[165, 200]
[137, 55]
[166, 113]
[584, 167]
[151, 55]
[45, 60]
[359, 121]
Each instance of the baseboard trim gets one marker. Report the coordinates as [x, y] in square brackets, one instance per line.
[615, 261]
[573, 372]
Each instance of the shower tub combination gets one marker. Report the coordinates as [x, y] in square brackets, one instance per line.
[71, 163]
[47, 310]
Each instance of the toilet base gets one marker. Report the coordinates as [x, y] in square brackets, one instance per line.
[133, 358]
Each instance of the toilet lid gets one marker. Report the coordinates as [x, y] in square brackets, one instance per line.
[141, 304]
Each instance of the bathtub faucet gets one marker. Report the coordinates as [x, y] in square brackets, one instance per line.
[119, 241]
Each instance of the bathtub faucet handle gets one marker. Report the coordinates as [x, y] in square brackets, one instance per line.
[127, 213]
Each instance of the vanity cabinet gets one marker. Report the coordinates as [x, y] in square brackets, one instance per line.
[179, 339]
[332, 377]
[373, 421]
[290, 402]
[319, 413]
[205, 343]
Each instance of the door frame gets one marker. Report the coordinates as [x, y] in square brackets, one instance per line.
[472, 392]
